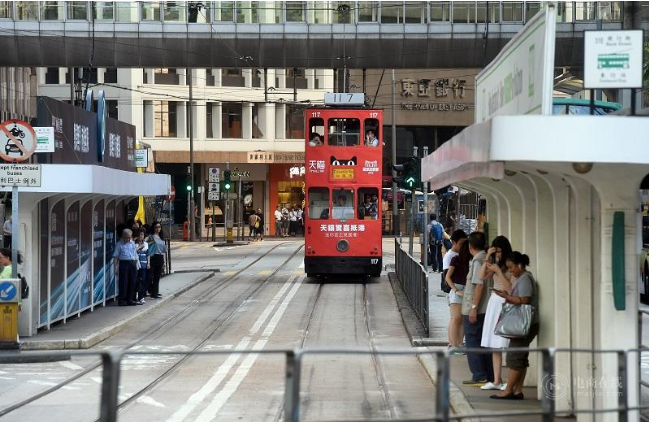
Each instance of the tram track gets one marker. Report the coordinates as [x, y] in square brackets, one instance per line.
[170, 322]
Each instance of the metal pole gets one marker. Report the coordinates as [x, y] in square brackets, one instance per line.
[292, 391]
[413, 211]
[592, 102]
[71, 73]
[443, 392]
[192, 236]
[395, 207]
[549, 389]
[15, 223]
[622, 393]
[240, 203]
[109, 387]
[424, 218]
[213, 222]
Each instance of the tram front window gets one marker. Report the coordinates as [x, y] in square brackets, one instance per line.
[318, 203]
[343, 207]
[344, 132]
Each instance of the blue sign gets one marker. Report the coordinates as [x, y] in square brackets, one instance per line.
[8, 291]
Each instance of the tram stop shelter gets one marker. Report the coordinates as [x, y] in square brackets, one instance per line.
[565, 191]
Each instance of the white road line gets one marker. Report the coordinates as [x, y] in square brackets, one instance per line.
[70, 365]
[41, 382]
[7, 378]
[210, 385]
[282, 308]
[150, 401]
[301, 265]
[98, 380]
[264, 315]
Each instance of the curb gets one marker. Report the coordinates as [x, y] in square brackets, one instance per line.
[93, 339]
[22, 358]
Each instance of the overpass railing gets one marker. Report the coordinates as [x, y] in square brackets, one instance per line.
[413, 279]
[550, 382]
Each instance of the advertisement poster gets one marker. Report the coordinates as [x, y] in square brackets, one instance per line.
[44, 297]
[109, 268]
[73, 282]
[98, 252]
[85, 257]
[57, 261]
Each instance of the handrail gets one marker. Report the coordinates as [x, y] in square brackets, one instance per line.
[413, 279]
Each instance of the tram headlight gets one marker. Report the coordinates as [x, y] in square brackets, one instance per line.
[342, 246]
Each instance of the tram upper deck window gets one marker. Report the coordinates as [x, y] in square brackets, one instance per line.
[343, 206]
[368, 200]
[344, 132]
[372, 133]
[316, 131]
[318, 203]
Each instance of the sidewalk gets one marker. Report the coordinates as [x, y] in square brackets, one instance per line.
[103, 322]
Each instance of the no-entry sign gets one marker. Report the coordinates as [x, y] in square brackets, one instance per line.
[17, 140]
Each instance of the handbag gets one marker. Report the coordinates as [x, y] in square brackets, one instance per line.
[444, 286]
[257, 224]
[514, 321]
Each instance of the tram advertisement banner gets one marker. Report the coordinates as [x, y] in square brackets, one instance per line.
[73, 282]
[85, 256]
[44, 297]
[57, 261]
[99, 281]
[109, 268]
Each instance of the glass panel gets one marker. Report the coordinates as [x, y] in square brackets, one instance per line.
[372, 133]
[223, 11]
[150, 11]
[488, 12]
[295, 121]
[585, 11]
[52, 76]
[165, 118]
[231, 120]
[415, 12]
[316, 132]
[512, 11]
[464, 11]
[564, 12]
[609, 10]
[52, 10]
[295, 11]
[319, 11]
[440, 11]
[126, 11]
[368, 11]
[197, 12]
[257, 132]
[166, 77]
[110, 75]
[174, 11]
[77, 10]
[368, 208]
[342, 12]
[344, 132]
[391, 12]
[247, 11]
[27, 10]
[318, 203]
[232, 77]
[343, 207]
[531, 9]
[103, 10]
[6, 10]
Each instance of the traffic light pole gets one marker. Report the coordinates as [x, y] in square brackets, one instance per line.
[190, 213]
[413, 211]
[424, 219]
[396, 226]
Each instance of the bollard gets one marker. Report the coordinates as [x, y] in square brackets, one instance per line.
[442, 395]
[109, 387]
[292, 391]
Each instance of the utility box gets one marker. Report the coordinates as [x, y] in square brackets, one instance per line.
[9, 307]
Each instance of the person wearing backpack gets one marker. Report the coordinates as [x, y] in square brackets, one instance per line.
[435, 241]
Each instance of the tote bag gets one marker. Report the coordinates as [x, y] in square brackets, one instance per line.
[515, 321]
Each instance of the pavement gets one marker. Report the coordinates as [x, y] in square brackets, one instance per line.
[105, 321]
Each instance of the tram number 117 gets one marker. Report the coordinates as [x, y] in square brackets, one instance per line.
[374, 261]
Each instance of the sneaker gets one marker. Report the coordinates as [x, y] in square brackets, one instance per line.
[141, 302]
[503, 386]
[473, 383]
[456, 351]
[492, 386]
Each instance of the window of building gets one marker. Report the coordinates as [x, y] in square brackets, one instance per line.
[565, 12]
[175, 11]
[295, 11]
[368, 11]
[27, 10]
[391, 12]
[512, 11]
[112, 109]
[231, 120]
[415, 12]
[257, 78]
[6, 9]
[257, 130]
[165, 76]
[294, 121]
[103, 10]
[343, 204]
[52, 76]
[77, 10]
[232, 77]
[609, 10]
[296, 78]
[318, 203]
[52, 10]
[110, 75]
[585, 11]
[316, 132]
[372, 135]
[319, 11]
[488, 12]
[224, 11]
[209, 114]
[440, 11]
[126, 11]
[344, 132]
[531, 9]
[464, 11]
[166, 124]
[150, 11]
[343, 11]
[369, 205]
[85, 74]
[247, 11]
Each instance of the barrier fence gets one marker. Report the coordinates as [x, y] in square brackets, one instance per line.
[111, 378]
[414, 281]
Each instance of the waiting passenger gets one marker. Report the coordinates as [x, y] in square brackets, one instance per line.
[370, 138]
[316, 140]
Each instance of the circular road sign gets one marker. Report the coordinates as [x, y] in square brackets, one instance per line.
[17, 140]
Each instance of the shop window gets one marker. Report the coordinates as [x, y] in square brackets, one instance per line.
[27, 10]
[52, 11]
[150, 11]
[6, 10]
[318, 203]
[368, 200]
[295, 121]
[440, 11]
[372, 135]
[344, 132]
[231, 120]
[103, 10]
[316, 132]
[77, 10]
[343, 204]
[368, 11]
[165, 118]
[290, 194]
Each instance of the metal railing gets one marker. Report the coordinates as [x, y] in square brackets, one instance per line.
[414, 281]
[111, 362]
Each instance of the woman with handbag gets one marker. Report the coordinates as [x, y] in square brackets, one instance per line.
[494, 268]
[524, 295]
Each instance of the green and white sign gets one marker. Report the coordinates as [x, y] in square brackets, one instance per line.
[520, 79]
[44, 139]
[613, 59]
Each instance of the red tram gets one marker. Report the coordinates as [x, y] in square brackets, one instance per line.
[343, 161]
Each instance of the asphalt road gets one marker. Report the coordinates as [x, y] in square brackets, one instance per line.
[260, 300]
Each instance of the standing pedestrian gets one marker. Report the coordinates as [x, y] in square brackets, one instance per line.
[456, 268]
[142, 248]
[436, 238]
[253, 220]
[5, 263]
[285, 222]
[474, 307]
[494, 268]
[157, 252]
[278, 221]
[126, 266]
[7, 232]
[300, 221]
[260, 224]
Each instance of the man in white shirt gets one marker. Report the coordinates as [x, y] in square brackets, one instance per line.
[341, 210]
[370, 139]
[278, 221]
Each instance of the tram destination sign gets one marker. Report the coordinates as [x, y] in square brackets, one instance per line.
[21, 175]
[343, 174]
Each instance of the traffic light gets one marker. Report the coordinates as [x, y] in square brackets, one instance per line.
[227, 183]
[410, 173]
[189, 188]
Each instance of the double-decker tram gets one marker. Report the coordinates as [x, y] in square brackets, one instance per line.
[343, 160]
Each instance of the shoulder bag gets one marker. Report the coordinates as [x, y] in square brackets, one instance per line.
[515, 320]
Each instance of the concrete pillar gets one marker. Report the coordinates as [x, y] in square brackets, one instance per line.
[310, 78]
[181, 119]
[270, 74]
[217, 76]
[200, 120]
[267, 120]
[182, 76]
[150, 75]
[62, 72]
[280, 75]
[149, 119]
[247, 77]
[200, 78]
[217, 130]
[280, 121]
[247, 120]
[41, 71]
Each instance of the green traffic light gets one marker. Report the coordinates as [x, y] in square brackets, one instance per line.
[227, 186]
[189, 188]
